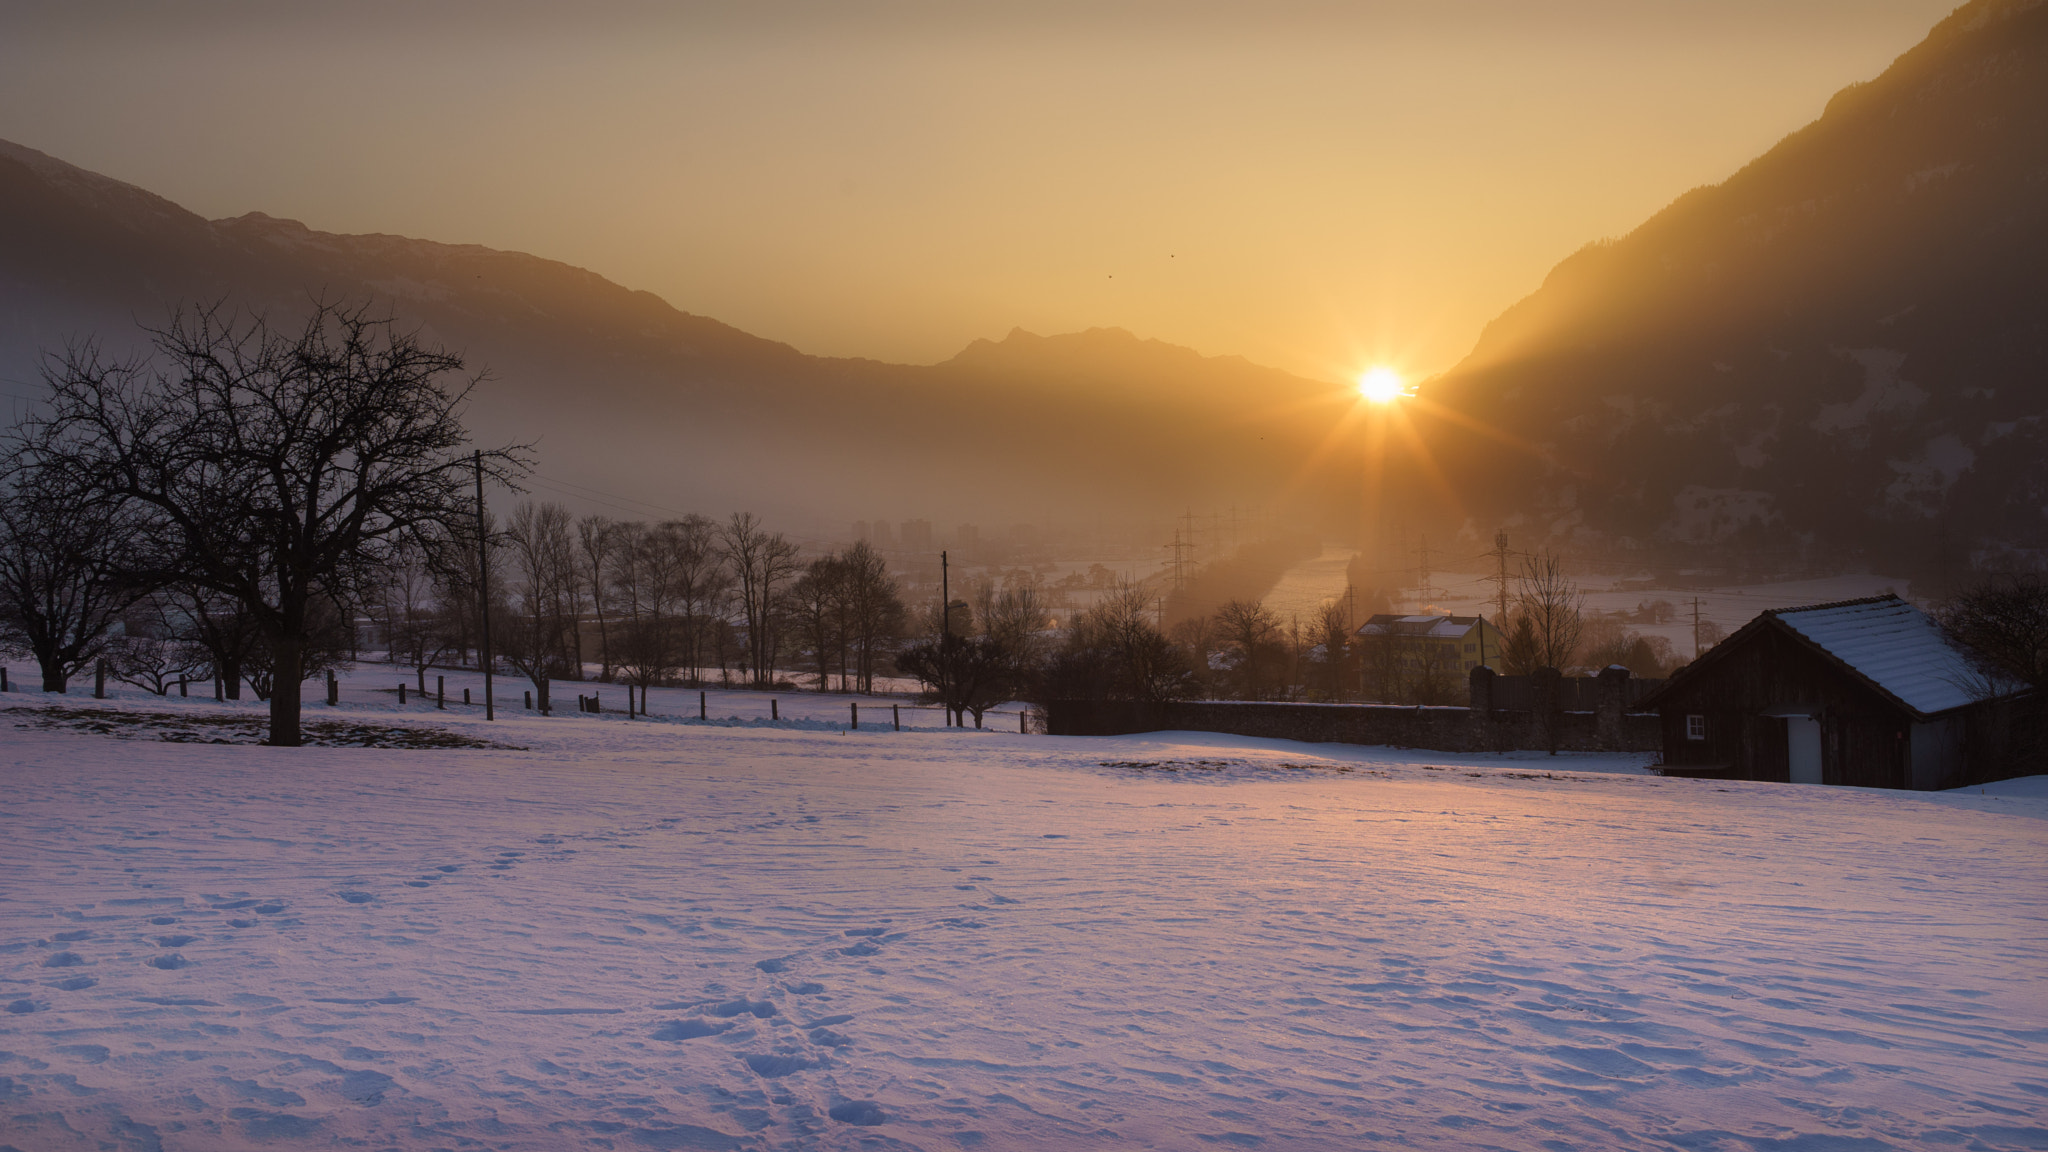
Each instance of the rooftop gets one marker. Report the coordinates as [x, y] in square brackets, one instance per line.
[1895, 646]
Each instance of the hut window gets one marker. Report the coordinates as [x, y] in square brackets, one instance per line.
[1695, 727]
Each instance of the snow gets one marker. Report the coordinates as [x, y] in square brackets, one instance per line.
[666, 935]
[1895, 645]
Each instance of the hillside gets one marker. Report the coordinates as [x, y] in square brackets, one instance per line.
[628, 395]
[1840, 353]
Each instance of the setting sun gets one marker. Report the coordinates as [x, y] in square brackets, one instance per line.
[1380, 385]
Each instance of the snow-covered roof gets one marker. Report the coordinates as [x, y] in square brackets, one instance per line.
[1435, 627]
[1893, 645]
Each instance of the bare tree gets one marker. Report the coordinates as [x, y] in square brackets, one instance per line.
[278, 468]
[596, 539]
[155, 648]
[1554, 608]
[874, 611]
[535, 637]
[1252, 635]
[1114, 651]
[416, 624]
[816, 597]
[701, 584]
[63, 549]
[761, 562]
[2002, 622]
[1332, 652]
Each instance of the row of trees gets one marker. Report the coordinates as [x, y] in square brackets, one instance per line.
[651, 603]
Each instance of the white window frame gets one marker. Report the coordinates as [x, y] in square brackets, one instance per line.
[1695, 726]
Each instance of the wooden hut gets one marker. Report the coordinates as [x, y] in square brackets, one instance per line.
[1861, 692]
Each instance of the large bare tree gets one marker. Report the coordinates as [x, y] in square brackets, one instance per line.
[278, 466]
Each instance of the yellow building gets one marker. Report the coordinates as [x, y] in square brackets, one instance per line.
[1430, 644]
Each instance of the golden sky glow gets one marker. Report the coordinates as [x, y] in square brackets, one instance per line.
[1317, 187]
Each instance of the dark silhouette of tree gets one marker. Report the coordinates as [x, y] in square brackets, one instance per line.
[2002, 621]
[277, 468]
[63, 551]
[874, 611]
[761, 562]
[1113, 651]
[1251, 635]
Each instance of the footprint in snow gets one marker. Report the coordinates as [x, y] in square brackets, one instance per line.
[772, 965]
[269, 909]
[807, 988]
[63, 960]
[777, 1066]
[21, 1007]
[243, 923]
[169, 963]
[864, 948]
[417, 884]
[75, 984]
[352, 897]
[447, 867]
[864, 1113]
[864, 931]
[689, 1029]
[174, 941]
[75, 934]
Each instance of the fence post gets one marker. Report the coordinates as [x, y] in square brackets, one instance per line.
[1546, 700]
[3, 680]
[700, 706]
[99, 680]
[1021, 730]
[401, 692]
[529, 699]
[465, 695]
[333, 690]
[1612, 685]
[774, 708]
[855, 705]
[182, 693]
[896, 714]
[547, 697]
[220, 694]
[440, 691]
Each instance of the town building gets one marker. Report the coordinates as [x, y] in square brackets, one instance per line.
[1429, 644]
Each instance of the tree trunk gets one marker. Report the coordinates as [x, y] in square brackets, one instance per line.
[286, 656]
[54, 678]
[231, 679]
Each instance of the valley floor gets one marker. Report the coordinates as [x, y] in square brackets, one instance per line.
[643, 935]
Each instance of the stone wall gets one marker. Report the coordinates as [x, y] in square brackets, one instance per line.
[1476, 728]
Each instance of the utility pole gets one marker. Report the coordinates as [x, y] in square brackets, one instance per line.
[483, 586]
[945, 633]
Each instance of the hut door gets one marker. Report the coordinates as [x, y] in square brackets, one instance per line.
[1802, 748]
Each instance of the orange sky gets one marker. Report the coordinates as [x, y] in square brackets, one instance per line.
[1314, 186]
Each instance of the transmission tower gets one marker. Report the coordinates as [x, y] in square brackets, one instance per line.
[1500, 581]
[1425, 591]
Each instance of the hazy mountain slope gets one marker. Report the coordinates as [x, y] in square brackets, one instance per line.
[1840, 351]
[626, 394]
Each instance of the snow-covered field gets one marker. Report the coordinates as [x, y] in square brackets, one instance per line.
[644, 935]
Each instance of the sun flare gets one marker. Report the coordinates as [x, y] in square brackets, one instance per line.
[1380, 385]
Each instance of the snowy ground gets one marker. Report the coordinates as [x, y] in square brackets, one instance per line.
[647, 935]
